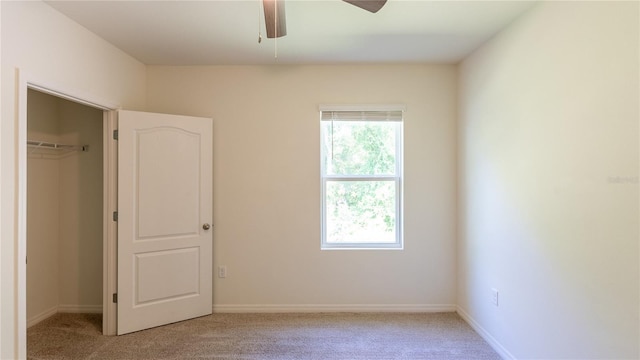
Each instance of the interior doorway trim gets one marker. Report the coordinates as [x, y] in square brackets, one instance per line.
[25, 82]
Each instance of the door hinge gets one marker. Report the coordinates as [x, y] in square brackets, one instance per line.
[115, 298]
[115, 134]
[115, 216]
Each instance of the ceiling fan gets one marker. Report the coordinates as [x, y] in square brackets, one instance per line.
[275, 21]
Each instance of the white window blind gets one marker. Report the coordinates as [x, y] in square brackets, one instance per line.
[361, 115]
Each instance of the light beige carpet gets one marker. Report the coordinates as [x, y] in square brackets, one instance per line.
[345, 336]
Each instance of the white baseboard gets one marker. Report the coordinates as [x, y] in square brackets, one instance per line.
[42, 316]
[80, 309]
[495, 344]
[311, 308]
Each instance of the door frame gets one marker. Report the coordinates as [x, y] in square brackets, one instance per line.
[27, 81]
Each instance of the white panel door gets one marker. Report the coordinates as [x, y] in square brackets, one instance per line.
[164, 216]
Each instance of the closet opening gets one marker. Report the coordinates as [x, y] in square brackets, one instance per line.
[64, 208]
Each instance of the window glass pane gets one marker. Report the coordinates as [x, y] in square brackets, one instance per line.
[359, 147]
[360, 212]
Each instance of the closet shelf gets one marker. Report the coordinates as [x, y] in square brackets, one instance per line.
[36, 145]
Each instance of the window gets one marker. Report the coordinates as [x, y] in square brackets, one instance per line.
[361, 169]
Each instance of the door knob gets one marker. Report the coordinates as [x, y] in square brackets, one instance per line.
[206, 226]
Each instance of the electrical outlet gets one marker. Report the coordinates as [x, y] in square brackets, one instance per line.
[222, 271]
[494, 296]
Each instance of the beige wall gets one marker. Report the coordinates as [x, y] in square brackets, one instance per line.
[267, 183]
[81, 191]
[42, 210]
[55, 51]
[549, 183]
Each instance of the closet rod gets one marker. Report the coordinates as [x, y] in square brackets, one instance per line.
[54, 146]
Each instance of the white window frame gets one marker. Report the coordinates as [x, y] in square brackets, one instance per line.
[397, 178]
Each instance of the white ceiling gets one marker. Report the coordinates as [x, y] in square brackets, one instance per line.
[318, 32]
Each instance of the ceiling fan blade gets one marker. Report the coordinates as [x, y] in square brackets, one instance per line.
[369, 5]
[274, 18]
